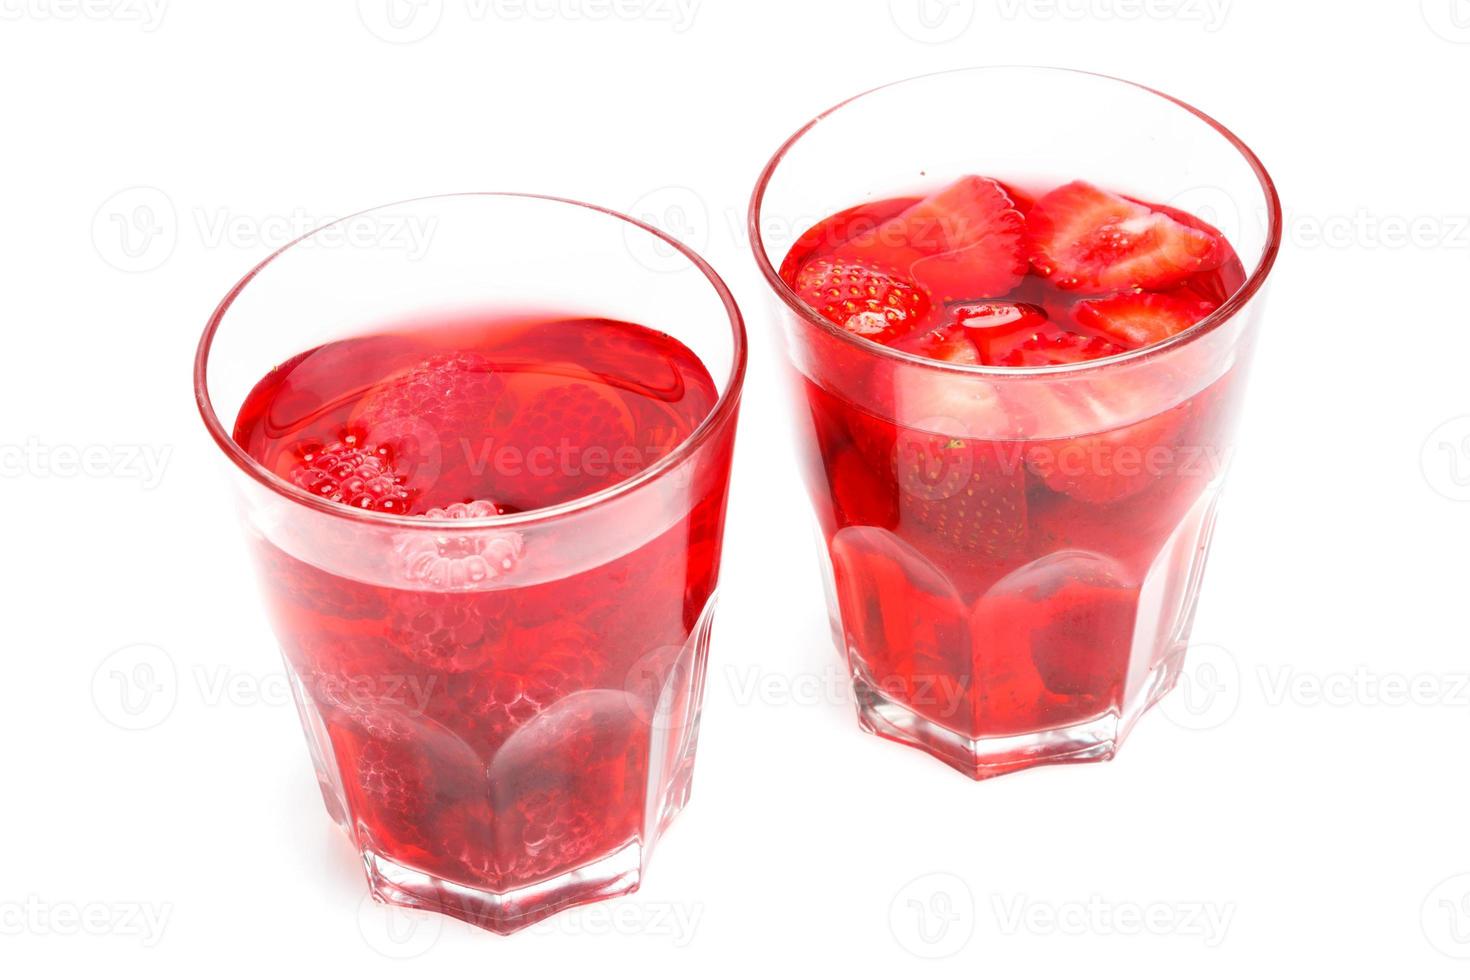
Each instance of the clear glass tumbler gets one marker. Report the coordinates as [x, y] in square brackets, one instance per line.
[1035, 622]
[502, 712]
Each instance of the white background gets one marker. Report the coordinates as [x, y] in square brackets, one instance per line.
[1302, 810]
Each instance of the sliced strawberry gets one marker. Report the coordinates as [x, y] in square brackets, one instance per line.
[1072, 613]
[1082, 647]
[1009, 335]
[905, 624]
[1085, 239]
[862, 494]
[1008, 317]
[824, 237]
[1058, 347]
[1139, 319]
[948, 343]
[961, 492]
[968, 495]
[962, 243]
[861, 298]
[1109, 465]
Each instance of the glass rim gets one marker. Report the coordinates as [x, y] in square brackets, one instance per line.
[723, 409]
[1232, 305]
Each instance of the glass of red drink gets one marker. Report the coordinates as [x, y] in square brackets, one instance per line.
[1020, 304]
[482, 444]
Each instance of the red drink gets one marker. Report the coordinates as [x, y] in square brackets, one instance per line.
[492, 738]
[489, 538]
[1015, 559]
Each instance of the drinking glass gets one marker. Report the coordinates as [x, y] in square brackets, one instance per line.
[609, 598]
[1044, 635]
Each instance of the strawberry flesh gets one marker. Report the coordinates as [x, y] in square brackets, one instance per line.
[1058, 347]
[1139, 319]
[1085, 239]
[963, 243]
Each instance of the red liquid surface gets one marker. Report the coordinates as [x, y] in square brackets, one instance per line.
[492, 738]
[993, 586]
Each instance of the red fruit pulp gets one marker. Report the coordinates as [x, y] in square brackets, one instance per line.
[1010, 573]
[493, 738]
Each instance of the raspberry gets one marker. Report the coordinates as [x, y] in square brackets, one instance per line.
[446, 391]
[436, 416]
[446, 632]
[393, 787]
[352, 473]
[448, 561]
[557, 831]
[536, 670]
[572, 440]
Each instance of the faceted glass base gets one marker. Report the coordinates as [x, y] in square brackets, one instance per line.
[616, 874]
[1053, 663]
[1095, 739]
[564, 812]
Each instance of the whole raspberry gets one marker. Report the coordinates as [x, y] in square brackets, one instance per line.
[447, 560]
[444, 631]
[392, 780]
[534, 670]
[570, 440]
[353, 473]
[438, 417]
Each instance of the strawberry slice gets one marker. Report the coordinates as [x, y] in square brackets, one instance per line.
[947, 343]
[1080, 648]
[1058, 347]
[1004, 334]
[961, 492]
[1001, 316]
[1111, 465]
[1070, 614]
[1140, 319]
[968, 495]
[1105, 466]
[962, 243]
[1085, 239]
[862, 299]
